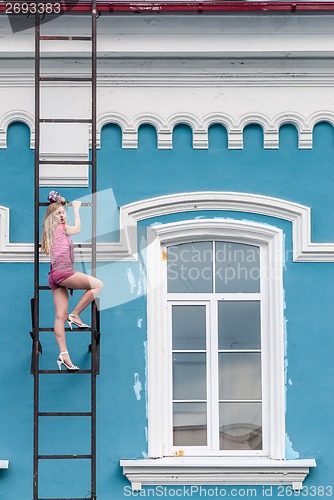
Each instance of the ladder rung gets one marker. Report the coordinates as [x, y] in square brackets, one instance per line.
[86, 498]
[66, 120]
[63, 457]
[67, 498]
[83, 204]
[77, 38]
[62, 372]
[66, 329]
[65, 79]
[65, 162]
[65, 414]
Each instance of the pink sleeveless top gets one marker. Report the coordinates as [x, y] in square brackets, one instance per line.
[62, 254]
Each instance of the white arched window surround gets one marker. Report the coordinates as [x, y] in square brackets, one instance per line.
[160, 467]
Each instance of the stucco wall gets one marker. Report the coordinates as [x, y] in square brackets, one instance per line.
[300, 176]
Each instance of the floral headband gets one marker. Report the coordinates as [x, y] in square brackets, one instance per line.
[54, 197]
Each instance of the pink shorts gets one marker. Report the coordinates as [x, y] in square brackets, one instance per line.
[56, 277]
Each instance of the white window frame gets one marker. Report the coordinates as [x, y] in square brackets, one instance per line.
[270, 242]
[212, 384]
[221, 468]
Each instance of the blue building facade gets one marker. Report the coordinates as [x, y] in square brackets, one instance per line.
[122, 389]
[156, 207]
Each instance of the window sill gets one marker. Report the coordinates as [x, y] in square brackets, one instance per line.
[4, 464]
[207, 470]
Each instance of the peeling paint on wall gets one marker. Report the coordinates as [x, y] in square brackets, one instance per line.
[286, 363]
[131, 279]
[137, 387]
[284, 252]
[290, 453]
[146, 378]
[141, 283]
[139, 322]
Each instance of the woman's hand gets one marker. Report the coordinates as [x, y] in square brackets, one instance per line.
[70, 230]
[76, 205]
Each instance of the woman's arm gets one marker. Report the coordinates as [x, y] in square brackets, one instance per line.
[70, 230]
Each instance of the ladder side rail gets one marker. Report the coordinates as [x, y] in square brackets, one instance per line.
[94, 118]
[94, 305]
[36, 254]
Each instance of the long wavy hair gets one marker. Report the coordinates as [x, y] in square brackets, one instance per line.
[50, 223]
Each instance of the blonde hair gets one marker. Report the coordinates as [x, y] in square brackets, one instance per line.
[49, 225]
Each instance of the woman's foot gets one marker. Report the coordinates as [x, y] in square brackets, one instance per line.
[73, 319]
[64, 359]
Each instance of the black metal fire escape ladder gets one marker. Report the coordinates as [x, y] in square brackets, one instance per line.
[35, 302]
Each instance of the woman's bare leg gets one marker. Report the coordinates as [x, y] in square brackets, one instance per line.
[60, 300]
[81, 281]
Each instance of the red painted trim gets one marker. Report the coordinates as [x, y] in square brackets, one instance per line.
[198, 7]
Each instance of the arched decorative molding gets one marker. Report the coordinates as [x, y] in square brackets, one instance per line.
[254, 118]
[200, 127]
[18, 115]
[148, 119]
[320, 116]
[236, 138]
[290, 118]
[304, 250]
[110, 118]
[298, 121]
[200, 134]
[217, 119]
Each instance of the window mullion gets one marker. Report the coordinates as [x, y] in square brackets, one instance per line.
[213, 391]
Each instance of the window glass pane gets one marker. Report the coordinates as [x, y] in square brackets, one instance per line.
[240, 426]
[189, 427]
[189, 376]
[239, 325]
[237, 268]
[240, 375]
[189, 268]
[188, 326]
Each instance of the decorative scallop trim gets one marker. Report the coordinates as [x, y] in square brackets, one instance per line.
[199, 127]
[304, 250]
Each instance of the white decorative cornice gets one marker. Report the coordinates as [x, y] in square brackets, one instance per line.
[304, 250]
[178, 79]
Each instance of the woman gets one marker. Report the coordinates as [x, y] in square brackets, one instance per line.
[57, 243]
